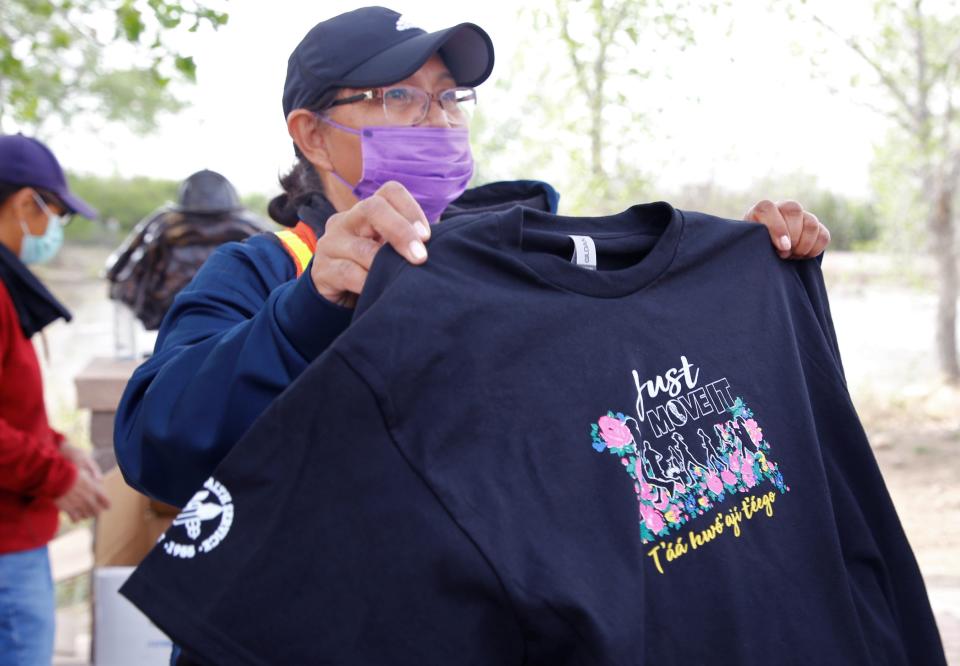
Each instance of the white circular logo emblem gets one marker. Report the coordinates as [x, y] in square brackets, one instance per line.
[202, 524]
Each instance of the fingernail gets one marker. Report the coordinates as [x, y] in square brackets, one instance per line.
[418, 250]
[422, 230]
[785, 243]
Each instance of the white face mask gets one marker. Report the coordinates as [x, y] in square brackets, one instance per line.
[40, 249]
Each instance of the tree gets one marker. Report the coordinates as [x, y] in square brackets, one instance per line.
[606, 27]
[573, 110]
[56, 59]
[126, 200]
[914, 58]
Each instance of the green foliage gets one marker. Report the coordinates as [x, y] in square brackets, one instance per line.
[256, 203]
[902, 206]
[911, 59]
[56, 66]
[853, 223]
[82, 230]
[125, 200]
[601, 40]
[588, 97]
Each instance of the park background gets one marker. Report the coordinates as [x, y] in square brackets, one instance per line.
[711, 105]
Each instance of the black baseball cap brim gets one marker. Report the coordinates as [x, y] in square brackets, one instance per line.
[466, 49]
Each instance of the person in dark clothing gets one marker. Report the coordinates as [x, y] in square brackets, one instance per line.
[166, 249]
[378, 111]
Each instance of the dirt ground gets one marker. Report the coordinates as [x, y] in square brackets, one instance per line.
[883, 309]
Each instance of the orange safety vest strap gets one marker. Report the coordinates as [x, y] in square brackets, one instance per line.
[300, 243]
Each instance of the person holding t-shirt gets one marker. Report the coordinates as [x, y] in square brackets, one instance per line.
[378, 111]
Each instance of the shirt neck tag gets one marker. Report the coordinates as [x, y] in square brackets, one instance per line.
[584, 252]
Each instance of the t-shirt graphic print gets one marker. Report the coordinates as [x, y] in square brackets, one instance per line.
[730, 463]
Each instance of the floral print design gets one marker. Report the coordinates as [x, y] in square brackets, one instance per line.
[675, 489]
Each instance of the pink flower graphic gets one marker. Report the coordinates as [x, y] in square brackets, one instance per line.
[746, 471]
[714, 483]
[665, 503]
[756, 433]
[651, 518]
[615, 432]
[646, 491]
[735, 461]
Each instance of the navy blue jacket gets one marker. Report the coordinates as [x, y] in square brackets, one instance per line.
[233, 340]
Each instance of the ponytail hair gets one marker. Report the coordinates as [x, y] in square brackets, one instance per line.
[299, 184]
[302, 181]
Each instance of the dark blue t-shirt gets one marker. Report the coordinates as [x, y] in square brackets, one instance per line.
[514, 458]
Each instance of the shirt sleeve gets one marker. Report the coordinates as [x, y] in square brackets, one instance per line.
[233, 340]
[883, 570]
[33, 466]
[330, 524]
[811, 275]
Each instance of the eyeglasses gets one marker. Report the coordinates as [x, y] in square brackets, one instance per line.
[409, 105]
[65, 219]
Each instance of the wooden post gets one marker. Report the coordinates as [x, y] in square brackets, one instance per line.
[99, 388]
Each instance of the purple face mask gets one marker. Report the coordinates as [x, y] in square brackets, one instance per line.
[433, 163]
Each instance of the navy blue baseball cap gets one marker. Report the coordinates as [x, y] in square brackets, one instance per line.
[29, 163]
[376, 46]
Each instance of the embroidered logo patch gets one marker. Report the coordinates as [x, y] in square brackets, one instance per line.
[202, 524]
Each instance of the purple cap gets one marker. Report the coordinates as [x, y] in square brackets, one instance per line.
[27, 162]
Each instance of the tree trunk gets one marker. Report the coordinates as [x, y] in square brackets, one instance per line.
[943, 245]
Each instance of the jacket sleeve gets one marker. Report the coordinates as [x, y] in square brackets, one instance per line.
[33, 466]
[328, 519]
[30, 466]
[233, 340]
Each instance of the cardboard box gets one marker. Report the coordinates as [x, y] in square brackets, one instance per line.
[127, 531]
[122, 635]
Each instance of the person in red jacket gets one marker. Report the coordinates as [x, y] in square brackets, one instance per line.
[40, 473]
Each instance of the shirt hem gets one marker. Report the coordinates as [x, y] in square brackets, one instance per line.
[182, 627]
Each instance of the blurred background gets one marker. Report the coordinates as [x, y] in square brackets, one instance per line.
[848, 108]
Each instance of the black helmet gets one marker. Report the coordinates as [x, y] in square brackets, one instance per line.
[207, 192]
